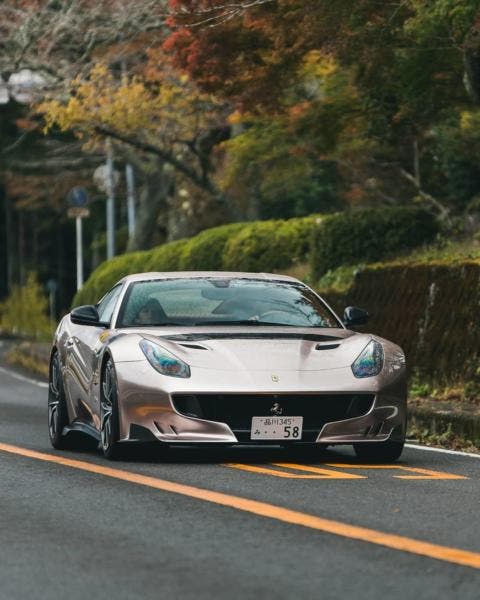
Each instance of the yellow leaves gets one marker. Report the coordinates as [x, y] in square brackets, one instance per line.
[318, 64]
[170, 107]
[470, 120]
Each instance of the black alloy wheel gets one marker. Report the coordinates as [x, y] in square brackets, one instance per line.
[57, 407]
[109, 422]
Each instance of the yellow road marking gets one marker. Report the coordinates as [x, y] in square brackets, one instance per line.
[285, 515]
[423, 473]
[317, 472]
[324, 473]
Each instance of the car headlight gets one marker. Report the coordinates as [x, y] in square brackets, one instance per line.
[164, 362]
[370, 361]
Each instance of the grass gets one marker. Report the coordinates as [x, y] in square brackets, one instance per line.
[20, 358]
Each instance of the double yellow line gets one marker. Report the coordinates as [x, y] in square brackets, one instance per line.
[263, 509]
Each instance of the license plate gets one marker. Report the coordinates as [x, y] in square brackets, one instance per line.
[276, 428]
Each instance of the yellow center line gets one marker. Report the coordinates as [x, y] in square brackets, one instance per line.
[423, 473]
[264, 509]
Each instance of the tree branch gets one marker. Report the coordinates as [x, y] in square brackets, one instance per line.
[443, 210]
[198, 179]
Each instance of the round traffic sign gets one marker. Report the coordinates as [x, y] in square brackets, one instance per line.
[77, 197]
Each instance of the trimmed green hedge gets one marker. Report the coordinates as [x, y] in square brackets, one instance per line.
[107, 274]
[266, 245]
[269, 245]
[204, 252]
[341, 239]
[370, 235]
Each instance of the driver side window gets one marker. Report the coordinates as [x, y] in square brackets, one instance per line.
[107, 304]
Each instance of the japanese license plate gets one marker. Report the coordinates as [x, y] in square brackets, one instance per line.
[276, 428]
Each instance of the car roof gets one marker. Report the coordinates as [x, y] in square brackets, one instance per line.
[201, 274]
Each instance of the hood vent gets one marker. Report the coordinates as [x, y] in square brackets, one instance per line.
[326, 346]
[192, 346]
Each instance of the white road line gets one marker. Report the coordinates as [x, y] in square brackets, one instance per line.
[442, 450]
[41, 384]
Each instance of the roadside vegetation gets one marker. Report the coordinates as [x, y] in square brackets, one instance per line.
[257, 111]
[277, 246]
[24, 313]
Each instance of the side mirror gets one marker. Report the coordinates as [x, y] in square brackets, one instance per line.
[86, 315]
[354, 316]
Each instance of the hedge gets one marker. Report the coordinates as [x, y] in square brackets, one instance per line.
[266, 245]
[429, 308]
[269, 245]
[204, 252]
[368, 235]
[344, 238]
[108, 273]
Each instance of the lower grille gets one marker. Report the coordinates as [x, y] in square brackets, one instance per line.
[237, 410]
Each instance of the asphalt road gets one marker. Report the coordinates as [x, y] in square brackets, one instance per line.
[184, 525]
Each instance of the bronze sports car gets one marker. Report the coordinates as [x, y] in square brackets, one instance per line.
[224, 358]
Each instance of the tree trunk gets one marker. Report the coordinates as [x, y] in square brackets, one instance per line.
[155, 189]
[471, 61]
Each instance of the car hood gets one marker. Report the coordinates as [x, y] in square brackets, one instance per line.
[265, 351]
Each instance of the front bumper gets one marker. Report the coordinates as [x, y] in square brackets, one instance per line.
[148, 410]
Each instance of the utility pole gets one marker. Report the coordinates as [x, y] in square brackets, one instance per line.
[78, 227]
[110, 202]
[9, 242]
[77, 199]
[130, 177]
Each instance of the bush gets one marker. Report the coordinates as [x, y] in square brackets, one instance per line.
[368, 236]
[260, 246]
[429, 308]
[165, 257]
[269, 245]
[24, 312]
[205, 251]
[108, 273]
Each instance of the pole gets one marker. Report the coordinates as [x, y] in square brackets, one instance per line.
[78, 223]
[9, 242]
[51, 301]
[110, 202]
[130, 177]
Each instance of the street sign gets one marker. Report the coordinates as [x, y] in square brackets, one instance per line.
[77, 197]
[78, 211]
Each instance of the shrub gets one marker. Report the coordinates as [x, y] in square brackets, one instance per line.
[205, 251]
[368, 236]
[266, 246]
[165, 257]
[269, 245]
[430, 309]
[108, 273]
[25, 310]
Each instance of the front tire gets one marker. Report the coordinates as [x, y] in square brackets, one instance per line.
[387, 452]
[57, 406]
[109, 419]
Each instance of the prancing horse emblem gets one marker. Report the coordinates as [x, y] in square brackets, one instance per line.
[276, 409]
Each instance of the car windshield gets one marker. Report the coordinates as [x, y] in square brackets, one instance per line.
[217, 301]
